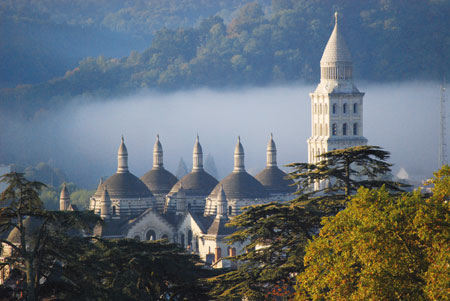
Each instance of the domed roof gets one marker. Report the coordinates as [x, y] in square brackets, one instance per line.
[240, 185]
[197, 182]
[124, 186]
[32, 226]
[159, 180]
[274, 180]
[336, 49]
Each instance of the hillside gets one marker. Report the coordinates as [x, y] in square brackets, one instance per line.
[389, 41]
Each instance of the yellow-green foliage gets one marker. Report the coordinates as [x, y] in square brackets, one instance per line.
[383, 247]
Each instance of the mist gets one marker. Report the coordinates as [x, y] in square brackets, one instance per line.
[82, 138]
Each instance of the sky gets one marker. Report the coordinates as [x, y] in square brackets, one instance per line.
[82, 138]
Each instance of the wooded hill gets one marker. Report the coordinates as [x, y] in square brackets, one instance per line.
[261, 45]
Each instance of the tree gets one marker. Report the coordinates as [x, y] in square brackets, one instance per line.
[127, 269]
[383, 247]
[277, 233]
[34, 232]
[341, 172]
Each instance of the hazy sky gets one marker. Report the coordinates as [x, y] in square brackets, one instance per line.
[83, 139]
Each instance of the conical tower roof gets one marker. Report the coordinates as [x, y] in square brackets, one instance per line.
[64, 192]
[336, 49]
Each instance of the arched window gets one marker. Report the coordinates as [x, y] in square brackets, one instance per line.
[334, 108]
[165, 237]
[312, 154]
[344, 108]
[320, 130]
[315, 108]
[113, 210]
[320, 109]
[137, 238]
[189, 242]
[355, 129]
[355, 108]
[182, 240]
[334, 129]
[151, 235]
[230, 210]
[344, 129]
[326, 129]
[325, 110]
[189, 206]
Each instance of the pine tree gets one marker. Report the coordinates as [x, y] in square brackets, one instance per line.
[276, 234]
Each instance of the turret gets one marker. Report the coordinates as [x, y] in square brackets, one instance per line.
[239, 157]
[222, 204]
[157, 154]
[122, 158]
[271, 153]
[197, 156]
[64, 198]
[181, 200]
[105, 204]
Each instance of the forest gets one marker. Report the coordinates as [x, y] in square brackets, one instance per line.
[227, 45]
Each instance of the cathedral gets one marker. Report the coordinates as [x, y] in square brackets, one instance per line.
[192, 211]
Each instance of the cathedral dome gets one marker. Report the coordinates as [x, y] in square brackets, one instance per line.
[32, 225]
[159, 180]
[124, 186]
[240, 185]
[271, 177]
[274, 180]
[197, 182]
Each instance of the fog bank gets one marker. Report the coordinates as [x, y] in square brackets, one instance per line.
[83, 139]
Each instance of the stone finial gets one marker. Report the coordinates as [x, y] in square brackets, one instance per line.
[239, 165]
[105, 204]
[271, 153]
[157, 154]
[64, 198]
[122, 158]
[197, 156]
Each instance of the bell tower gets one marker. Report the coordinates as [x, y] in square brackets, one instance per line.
[336, 104]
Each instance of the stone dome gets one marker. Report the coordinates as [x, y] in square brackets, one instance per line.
[197, 182]
[274, 180]
[240, 185]
[32, 226]
[159, 181]
[124, 185]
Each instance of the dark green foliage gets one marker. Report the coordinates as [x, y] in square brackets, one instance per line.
[33, 233]
[277, 233]
[342, 171]
[55, 258]
[257, 48]
[127, 269]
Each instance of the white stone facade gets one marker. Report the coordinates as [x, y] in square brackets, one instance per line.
[336, 104]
